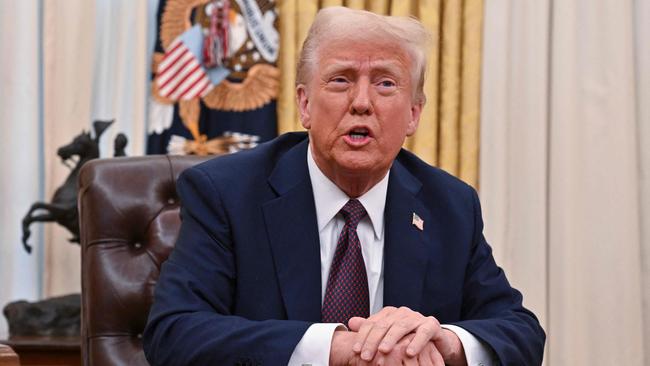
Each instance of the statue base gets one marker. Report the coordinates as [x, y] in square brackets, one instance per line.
[56, 316]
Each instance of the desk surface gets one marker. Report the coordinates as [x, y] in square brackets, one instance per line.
[34, 350]
[39, 342]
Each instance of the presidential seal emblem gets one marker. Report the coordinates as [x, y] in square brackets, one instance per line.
[218, 54]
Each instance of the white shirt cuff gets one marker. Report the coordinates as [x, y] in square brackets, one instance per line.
[477, 353]
[314, 347]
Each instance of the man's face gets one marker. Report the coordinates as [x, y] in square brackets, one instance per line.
[358, 107]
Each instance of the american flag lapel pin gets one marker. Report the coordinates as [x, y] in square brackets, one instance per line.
[418, 222]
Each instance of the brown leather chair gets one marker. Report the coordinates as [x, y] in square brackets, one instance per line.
[128, 211]
[8, 357]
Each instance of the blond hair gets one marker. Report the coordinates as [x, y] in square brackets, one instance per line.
[338, 22]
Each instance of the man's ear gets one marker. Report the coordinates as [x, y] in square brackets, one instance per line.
[302, 100]
[416, 111]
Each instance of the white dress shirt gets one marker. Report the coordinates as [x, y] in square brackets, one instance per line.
[314, 347]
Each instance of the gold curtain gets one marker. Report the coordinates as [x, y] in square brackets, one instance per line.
[448, 136]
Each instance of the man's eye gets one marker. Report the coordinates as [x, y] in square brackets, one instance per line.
[387, 83]
[339, 80]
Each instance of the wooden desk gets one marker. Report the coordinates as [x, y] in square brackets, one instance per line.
[46, 351]
[8, 357]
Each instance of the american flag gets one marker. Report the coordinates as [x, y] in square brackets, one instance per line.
[180, 75]
[418, 222]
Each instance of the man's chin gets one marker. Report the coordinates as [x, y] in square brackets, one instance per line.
[358, 166]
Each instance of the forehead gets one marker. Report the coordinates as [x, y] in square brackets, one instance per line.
[350, 54]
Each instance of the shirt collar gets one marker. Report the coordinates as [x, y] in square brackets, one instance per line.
[329, 199]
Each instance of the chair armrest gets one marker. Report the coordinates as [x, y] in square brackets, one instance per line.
[8, 357]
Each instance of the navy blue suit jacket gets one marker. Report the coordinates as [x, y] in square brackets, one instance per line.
[243, 282]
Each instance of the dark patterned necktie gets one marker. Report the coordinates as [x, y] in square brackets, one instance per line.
[347, 292]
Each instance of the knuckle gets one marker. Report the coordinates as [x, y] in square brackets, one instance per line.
[373, 317]
[365, 326]
[402, 324]
[371, 324]
[382, 325]
[434, 322]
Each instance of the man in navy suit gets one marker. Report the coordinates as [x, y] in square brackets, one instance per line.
[338, 247]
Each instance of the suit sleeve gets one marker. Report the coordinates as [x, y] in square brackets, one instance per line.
[493, 309]
[192, 321]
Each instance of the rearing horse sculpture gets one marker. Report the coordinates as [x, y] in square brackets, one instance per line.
[63, 208]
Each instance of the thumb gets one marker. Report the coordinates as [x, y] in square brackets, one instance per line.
[355, 323]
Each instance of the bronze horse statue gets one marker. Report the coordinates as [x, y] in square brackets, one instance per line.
[63, 207]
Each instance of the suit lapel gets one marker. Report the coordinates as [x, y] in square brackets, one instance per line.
[293, 234]
[405, 246]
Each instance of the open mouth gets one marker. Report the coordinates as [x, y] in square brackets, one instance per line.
[358, 134]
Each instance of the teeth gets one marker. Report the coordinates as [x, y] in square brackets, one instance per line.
[358, 134]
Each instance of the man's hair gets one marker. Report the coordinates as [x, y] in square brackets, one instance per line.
[340, 23]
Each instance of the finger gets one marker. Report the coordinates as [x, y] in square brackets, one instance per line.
[436, 357]
[360, 362]
[363, 326]
[356, 361]
[443, 342]
[410, 361]
[362, 333]
[404, 321]
[380, 360]
[396, 332]
[422, 337]
[424, 333]
[373, 336]
[398, 355]
[355, 323]
[424, 358]
[367, 326]
[400, 323]
[365, 329]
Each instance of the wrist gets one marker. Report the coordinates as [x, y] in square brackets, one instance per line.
[341, 350]
[456, 355]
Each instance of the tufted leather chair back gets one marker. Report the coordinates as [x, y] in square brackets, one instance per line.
[129, 220]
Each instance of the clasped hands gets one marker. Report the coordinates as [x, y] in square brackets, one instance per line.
[396, 336]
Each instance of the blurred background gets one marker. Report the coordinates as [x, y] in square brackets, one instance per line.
[542, 105]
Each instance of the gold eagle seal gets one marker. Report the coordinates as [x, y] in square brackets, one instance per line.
[253, 80]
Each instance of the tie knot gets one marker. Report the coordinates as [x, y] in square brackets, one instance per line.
[353, 212]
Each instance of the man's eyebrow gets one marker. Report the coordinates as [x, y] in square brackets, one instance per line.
[339, 66]
[391, 67]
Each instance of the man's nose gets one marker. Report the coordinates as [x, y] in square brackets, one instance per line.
[360, 95]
